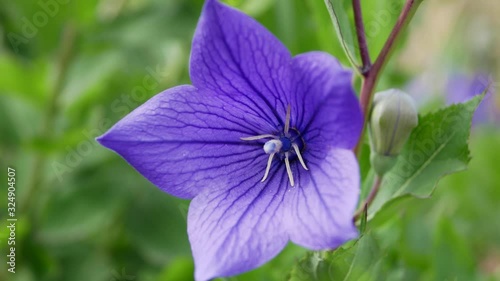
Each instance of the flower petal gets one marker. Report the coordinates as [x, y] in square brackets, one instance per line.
[239, 226]
[320, 209]
[234, 55]
[181, 139]
[329, 112]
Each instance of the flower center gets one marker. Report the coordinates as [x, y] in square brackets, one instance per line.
[286, 145]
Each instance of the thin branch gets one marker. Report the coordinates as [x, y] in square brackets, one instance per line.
[373, 74]
[360, 32]
[370, 198]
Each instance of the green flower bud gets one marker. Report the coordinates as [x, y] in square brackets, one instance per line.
[393, 117]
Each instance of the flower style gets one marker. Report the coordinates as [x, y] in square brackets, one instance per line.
[262, 142]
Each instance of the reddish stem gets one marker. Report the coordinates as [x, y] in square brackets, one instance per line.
[373, 74]
[373, 193]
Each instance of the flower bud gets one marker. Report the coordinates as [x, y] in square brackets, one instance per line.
[393, 117]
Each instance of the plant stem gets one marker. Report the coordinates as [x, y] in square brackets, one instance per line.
[370, 198]
[361, 35]
[373, 73]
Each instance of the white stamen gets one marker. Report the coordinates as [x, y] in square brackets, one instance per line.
[258, 137]
[287, 120]
[288, 169]
[297, 151]
[273, 146]
[268, 168]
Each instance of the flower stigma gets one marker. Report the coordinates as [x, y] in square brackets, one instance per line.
[284, 144]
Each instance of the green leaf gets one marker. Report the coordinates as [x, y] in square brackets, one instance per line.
[344, 29]
[437, 147]
[357, 261]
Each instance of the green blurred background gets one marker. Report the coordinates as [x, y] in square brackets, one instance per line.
[70, 69]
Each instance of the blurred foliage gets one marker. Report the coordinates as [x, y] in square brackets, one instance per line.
[70, 69]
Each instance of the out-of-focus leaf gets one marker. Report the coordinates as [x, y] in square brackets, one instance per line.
[276, 268]
[82, 264]
[23, 274]
[438, 146]
[158, 226]
[28, 81]
[344, 28]
[415, 242]
[379, 18]
[42, 261]
[78, 210]
[391, 210]
[252, 8]
[471, 197]
[9, 134]
[452, 259]
[87, 72]
[180, 269]
[323, 30]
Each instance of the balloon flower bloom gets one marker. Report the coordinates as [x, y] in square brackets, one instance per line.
[261, 141]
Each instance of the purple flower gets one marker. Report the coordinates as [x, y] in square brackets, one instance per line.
[458, 88]
[262, 143]
[461, 88]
